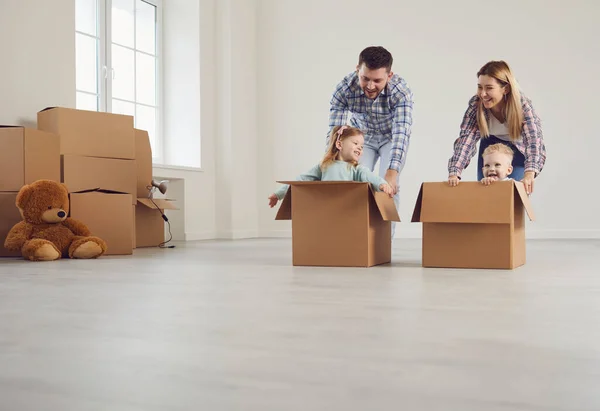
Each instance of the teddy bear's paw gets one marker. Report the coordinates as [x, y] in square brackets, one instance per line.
[89, 249]
[47, 252]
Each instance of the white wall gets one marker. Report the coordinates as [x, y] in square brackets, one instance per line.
[37, 48]
[187, 117]
[306, 47]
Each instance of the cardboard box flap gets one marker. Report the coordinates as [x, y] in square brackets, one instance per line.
[285, 209]
[98, 190]
[416, 217]
[520, 191]
[162, 203]
[469, 202]
[386, 206]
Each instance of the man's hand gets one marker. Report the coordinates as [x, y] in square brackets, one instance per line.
[453, 181]
[486, 181]
[391, 176]
[386, 188]
[273, 200]
[527, 181]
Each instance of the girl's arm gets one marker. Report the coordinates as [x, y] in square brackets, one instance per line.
[367, 176]
[314, 174]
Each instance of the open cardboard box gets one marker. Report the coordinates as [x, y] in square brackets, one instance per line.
[149, 224]
[338, 223]
[472, 225]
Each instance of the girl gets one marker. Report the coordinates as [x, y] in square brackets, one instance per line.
[340, 163]
[500, 114]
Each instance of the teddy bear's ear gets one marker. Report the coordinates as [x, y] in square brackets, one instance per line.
[23, 196]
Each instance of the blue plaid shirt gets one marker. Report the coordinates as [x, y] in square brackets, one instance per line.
[390, 114]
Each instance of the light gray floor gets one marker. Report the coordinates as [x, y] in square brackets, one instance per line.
[231, 325]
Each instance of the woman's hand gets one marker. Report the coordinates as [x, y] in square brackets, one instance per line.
[453, 181]
[528, 181]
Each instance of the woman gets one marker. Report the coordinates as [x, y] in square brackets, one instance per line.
[500, 114]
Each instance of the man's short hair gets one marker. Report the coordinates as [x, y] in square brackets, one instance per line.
[376, 57]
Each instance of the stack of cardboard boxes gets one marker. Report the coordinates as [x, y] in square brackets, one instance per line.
[103, 160]
[97, 154]
[27, 155]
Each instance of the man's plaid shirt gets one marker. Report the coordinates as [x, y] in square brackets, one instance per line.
[390, 114]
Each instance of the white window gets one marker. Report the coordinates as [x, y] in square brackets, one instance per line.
[118, 54]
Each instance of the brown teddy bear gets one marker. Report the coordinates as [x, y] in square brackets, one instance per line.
[46, 233]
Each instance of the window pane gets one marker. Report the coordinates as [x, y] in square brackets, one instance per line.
[123, 107]
[145, 81]
[85, 16]
[145, 119]
[124, 79]
[145, 27]
[86, 60]
[122, 22]
[87, 101]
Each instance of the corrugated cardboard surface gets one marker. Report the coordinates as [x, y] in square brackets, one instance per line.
[456, 245]
[472, 225]
[143, 159]
[42, 156]
[9, 216]
[380, 230]
[27, 155]
[87, 173]
[90, 133]
[149, 224]
[337, 224]
[108, 216]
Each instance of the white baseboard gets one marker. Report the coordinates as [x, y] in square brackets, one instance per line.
[202, 235]
[402, 231]
[237, 234]
[542, 234]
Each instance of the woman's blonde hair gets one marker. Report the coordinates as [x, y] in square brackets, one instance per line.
[338, 133]
[513, 110]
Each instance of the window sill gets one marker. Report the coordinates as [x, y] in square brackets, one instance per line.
[172, 167]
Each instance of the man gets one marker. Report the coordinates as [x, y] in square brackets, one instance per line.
[380, 103]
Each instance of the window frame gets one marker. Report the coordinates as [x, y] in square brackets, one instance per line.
[105, 73]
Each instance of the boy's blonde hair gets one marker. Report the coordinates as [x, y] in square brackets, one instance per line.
[338, 133]
[499, 148]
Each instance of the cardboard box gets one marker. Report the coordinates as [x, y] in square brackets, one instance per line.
[90, 133]
[27, 155]
[472, 225]
[143, 160]
[81, 173]
[108, 216]
[149, 224]
[338, 223]
[9, 216]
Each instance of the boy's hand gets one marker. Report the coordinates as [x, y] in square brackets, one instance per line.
[486, 181]
[386, 188]
[273, 200]
[453, 181]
